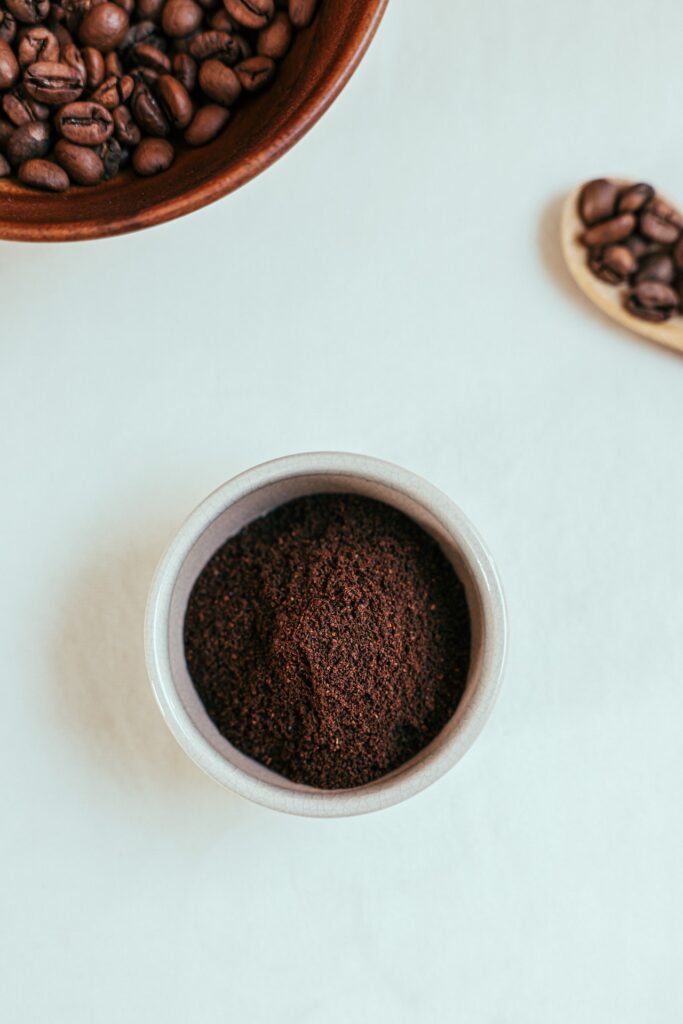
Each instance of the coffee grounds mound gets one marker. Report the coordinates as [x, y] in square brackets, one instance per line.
[329, 640]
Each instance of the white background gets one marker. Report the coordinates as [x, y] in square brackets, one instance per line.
[394, 287]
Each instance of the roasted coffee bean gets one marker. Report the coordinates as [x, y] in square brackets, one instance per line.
[94, 67]
[634, 198]
[653, 301]
[114, 91]
[9, 66]
[8, 26]
[637, 245]
[657, 229]
[176, 101]
[219, 82]
[112, 156]
[146, 76]
[127, 5]
[6, 129]
[125, 128]
[37, 44]
[153, 156]
[275, 39]
[30, 141]
[113, 66]
[44, 174]
[53, 83]
[28, 12]
[658, 266]
[143, 32]
[221, 45]
[81, 163]
[147, 56]
[104, 27]
[5, 168]
[597, 201]
[185, 70]
[250, 13]
[609, 231]
[181, 18]
[150, 10]
[678, 255]
[255, 73]
[665, 211]
[18, 108]
[72, 56]
[147, 112]
[614, 264]
[206, 124]
[302, 12]
[74, 12]
[86, 123]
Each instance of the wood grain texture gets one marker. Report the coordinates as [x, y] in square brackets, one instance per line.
[610, 298]
[320, 63]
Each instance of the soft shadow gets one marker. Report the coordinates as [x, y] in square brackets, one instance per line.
[103, 693]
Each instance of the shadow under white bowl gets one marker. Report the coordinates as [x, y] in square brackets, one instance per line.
[225, 513]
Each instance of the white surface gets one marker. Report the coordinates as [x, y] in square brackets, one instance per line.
[393, 286]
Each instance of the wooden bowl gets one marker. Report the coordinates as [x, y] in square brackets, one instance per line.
[320, 63]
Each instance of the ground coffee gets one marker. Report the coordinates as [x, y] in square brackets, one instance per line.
[329, 640]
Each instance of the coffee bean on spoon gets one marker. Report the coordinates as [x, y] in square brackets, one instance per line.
[153, 156]
[252, 14]
[206, 124]
[623, 244]
[301, 12]
[44, 174]
[28, 142]
[85, 123]
[81, 163]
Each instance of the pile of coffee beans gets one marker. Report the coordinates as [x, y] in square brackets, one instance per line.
[88, 85]
[329, 640]
[635, 238]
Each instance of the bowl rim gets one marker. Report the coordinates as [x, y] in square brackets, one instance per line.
[423, 770]
[345, 64]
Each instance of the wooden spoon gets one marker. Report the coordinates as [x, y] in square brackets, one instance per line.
[610, 298]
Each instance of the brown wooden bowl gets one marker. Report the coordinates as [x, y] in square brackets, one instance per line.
[320, 63]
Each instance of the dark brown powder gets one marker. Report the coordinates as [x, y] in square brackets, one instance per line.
[329, 640]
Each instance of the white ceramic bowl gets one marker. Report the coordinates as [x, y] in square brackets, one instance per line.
[225, 513]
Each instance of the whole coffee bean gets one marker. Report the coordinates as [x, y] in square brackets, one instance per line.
[18, 108]
[613, 264]
[185, 70]
[657, 229]
[104, 27]
[44, 174]
[6, 129]
[8, 26]
[94, 67]
[153, 156]
[147, 112]
[665, 211]
[597, 201]
[28, 142]
[146, 76]
[302, 12]
[28, 12]
[114, 91]
[82, 164]
[85, 123]
[255, 73]
[113, 66]
[125, 128]
[221, 45]
[634, 198]
[74, 12]
[72, 56]
[206, 124]
[250, 13]
[219, 82]
[609, 231]
[275, 39]
[9, 66]
[146, 56]
[181, 18]
[653, 301]
[5, 168]
[112, 156]
[37, 44]
[176, 101]
[150, 10]
[53, 83]
[658, 266]
[143, 32]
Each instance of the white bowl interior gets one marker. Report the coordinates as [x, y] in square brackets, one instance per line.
[259, 502]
